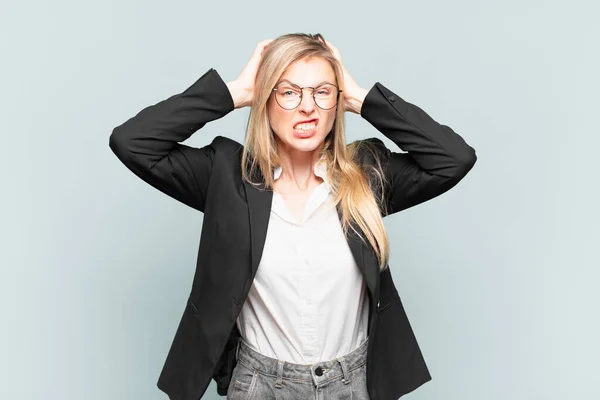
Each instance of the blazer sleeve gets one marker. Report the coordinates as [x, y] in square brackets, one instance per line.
[436, 157]
[149, 143]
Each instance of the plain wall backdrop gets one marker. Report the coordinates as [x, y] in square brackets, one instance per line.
[96, 265]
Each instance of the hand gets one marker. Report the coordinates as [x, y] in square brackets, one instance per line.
[353, 95]
[242, 89]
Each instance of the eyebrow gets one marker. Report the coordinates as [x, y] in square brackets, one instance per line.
[317, 85]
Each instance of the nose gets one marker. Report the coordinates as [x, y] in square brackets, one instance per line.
[307, 104]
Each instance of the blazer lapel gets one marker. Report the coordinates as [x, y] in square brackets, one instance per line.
[362, 256]
[259, 210]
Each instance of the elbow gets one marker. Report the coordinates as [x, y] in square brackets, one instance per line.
[113, 140]
[464, 163]
[470, 159]
[117, 142]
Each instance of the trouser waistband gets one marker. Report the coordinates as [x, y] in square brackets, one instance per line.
[318, 373]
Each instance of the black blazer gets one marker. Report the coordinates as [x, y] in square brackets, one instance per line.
[236, 216]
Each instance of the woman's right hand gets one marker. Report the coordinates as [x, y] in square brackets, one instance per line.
[242, 89]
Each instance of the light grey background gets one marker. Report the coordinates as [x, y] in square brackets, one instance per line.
[499, 276]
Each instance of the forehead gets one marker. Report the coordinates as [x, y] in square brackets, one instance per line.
[309, 72]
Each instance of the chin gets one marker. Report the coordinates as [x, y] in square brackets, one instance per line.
[307, 144]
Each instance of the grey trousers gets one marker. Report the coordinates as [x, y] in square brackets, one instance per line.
[259, 377]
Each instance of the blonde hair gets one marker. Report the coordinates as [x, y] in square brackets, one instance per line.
[358, 197]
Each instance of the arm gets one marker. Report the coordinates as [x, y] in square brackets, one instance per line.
[149, 143]
[437, 159]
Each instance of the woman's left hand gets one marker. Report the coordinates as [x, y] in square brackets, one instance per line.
[353, 94]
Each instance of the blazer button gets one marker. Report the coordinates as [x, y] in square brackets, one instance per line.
[392, 98]
[378, 304]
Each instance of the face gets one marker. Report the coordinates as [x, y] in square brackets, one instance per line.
[305, 127]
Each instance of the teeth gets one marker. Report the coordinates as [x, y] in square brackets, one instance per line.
[305, 127]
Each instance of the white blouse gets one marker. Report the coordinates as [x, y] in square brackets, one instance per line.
[308, 301]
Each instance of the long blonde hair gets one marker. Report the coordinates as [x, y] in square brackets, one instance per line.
[357, 195]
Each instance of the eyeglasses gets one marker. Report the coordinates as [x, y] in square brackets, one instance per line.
[289, 96]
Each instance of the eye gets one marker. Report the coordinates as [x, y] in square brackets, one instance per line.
[324, 91]
[287, 91]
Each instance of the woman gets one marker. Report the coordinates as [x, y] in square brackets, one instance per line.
[292, 296]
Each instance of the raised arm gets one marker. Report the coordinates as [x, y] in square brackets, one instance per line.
[149, 143]
[437, 159]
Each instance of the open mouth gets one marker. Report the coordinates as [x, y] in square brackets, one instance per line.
[306, 128]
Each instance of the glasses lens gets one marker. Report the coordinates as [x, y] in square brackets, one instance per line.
[326, 96]
[288, 96]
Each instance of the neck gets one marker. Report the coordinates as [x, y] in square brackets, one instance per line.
[298, 166]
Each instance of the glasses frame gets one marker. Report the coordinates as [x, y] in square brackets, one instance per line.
[337, 96]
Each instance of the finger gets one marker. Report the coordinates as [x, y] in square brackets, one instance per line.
[334, 50]
[331, 46]
[261, 46]
[265, 43]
